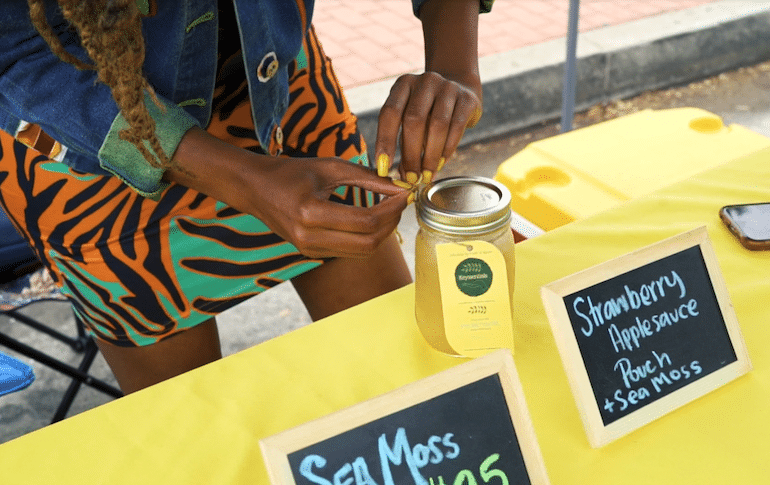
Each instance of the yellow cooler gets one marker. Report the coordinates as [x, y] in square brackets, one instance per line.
[583, 172]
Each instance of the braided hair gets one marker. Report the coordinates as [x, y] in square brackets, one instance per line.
[111, 33]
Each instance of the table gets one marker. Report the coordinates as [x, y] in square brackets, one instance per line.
[204, 426]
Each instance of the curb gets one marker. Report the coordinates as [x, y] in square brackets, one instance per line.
[523, 87]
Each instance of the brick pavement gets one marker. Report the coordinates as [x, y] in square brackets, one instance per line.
[374, 40]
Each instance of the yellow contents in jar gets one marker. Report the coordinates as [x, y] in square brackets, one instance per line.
[428, 308]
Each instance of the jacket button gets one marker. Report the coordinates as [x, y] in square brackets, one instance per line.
[268, 67]
[278, 135]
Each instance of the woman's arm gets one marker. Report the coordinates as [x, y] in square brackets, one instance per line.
[290, 195]
[433, 109]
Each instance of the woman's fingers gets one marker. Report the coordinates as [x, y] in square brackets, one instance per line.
[320, 227]
[329, 228]
[429, 114]
[389, 122]
[443, 141]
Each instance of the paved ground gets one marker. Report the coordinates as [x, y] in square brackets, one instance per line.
[655, 35]
[374, 40]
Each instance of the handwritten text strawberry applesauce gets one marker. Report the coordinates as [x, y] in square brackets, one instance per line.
[656, 370]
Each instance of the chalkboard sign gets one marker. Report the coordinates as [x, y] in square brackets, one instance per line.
[646, 333]
[464, 426]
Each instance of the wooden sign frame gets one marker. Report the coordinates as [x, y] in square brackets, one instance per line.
[277, 448]
[553, 296]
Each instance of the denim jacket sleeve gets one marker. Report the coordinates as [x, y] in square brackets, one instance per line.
[485, 6]
[124, 161]
[71, 106]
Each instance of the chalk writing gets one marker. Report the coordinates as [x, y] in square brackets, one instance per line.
[466, 476]
[463, 436]
[602, 312]
[399, 453]
[659, 373]
[630, 338]
[648, 332]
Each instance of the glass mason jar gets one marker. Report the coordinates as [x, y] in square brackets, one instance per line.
[464, 266]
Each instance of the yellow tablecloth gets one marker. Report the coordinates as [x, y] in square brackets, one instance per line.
[204, 427]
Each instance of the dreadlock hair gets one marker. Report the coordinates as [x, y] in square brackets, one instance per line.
[111, 33]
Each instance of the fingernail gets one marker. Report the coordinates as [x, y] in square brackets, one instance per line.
[383, 165]
[410, 198]
[402, 184]
[427, 176]
[411, 177]
[441, 162]
[398, 236]
[475, 118]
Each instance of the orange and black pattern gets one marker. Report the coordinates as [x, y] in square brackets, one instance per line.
[318, 122]
[137, 271]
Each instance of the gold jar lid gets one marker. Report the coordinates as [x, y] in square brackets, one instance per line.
[464, 205]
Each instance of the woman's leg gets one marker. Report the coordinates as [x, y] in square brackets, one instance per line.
[138, 367]
[332, 287]
[344, 282]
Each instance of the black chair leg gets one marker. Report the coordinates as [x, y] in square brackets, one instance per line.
[90, 352]
[77, 344]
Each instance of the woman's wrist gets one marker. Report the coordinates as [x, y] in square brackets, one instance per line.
[215, 168]
[450, 30]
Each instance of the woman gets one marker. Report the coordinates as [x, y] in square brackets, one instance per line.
[170, 159]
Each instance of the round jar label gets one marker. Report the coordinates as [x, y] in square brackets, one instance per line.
[473, 276]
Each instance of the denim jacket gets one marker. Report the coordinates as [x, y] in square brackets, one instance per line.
[180, 64]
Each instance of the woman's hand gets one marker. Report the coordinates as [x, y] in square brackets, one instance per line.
[291, 196]
[432, 110]
[432, 113]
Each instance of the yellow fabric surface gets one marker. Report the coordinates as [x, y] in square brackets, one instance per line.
[204, 427]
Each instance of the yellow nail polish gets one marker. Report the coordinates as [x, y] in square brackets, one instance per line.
[441, 162]
[383, 165]
[411, 177]
[474, 118]
[410, 198]
[402, 184]
[427, 176]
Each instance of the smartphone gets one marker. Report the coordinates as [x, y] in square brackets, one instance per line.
[750, 223]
